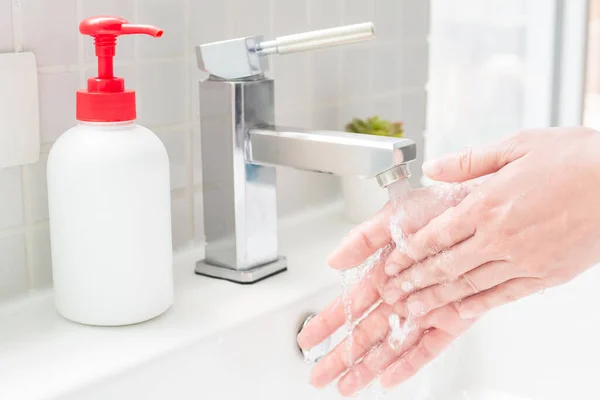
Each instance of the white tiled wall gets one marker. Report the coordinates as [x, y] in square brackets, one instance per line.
[322, 89]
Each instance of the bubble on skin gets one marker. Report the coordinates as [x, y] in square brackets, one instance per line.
[399, 332]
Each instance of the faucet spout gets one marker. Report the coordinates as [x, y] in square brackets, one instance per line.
[338, 153]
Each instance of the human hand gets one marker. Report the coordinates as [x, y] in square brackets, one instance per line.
[532, 225]
[372, 335]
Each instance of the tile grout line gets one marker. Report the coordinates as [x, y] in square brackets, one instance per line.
[136, 55]
[310, 71]
[22, 229]
[27, 229]
[188, 138]
[340, 59]
[80, 47]
[17, 22]
[372, 60]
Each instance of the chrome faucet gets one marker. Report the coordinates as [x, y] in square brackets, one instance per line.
[241, 146]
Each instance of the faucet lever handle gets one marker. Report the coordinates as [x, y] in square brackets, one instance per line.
[317, 39]
[245, 57]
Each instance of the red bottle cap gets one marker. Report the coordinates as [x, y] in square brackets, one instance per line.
[106, 99]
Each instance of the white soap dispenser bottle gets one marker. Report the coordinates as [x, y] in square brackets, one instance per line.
[109, 201]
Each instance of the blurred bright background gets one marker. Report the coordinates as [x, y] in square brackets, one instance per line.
[499, 66]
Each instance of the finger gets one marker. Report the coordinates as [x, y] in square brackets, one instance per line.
[455, 225]
[376, 361]
[431, 344]
[405, 217]
[363, 241]
[475, 281]
[472, 163]
[397, 262]
[367, 334]
[422, 205]
[440, 268]
[443, 326]
[505, 293]
[446, 319]
[361, 298]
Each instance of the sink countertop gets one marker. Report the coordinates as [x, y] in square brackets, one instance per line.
[44, 356]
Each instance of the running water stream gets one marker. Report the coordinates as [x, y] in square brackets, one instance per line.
[399, 328]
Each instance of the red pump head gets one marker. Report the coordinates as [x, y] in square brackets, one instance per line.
[106, 99]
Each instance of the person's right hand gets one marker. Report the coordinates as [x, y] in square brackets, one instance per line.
[430, 336]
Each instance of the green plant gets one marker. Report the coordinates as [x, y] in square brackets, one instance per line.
[376, 126]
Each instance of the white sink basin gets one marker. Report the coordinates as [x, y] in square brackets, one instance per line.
[226, 341]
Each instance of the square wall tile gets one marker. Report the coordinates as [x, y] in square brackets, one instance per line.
[127, 72]
[389, 107]
[292, 190]
[361, 108]
[41, 264]
[210, 22]
[13, 272]
[251, 18]
[181, 220]
[355, 72]
[57, 104]
[289, 17]
[414, 71]
[169, 16]
[414, 112]
[161, 97]
[326, 117]
[38, 189]
[387, 68]
[387, 20]
[325, 76]
[196, 76]
[119, 8]
[174, 142]
[50, 30]
[11, 198]
[292, 85]
[6, 27]
[324, 14]
[199, 216]
[415, 18]
[323, 188]
[358, 11]
[292, 118]
[197, 152]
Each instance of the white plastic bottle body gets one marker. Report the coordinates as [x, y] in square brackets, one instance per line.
[110, 224]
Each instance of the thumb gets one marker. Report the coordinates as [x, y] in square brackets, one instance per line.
[472, 163]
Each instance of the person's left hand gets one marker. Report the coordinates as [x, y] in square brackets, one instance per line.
[393, 362]
[430, 335]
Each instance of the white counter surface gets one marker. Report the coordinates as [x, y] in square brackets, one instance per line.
[43, 356]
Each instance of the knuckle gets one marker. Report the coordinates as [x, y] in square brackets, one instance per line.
[465, 157]
[361, 338]
[423, 350]
[433, 244]
[441, 270]
[469, 285]
[510, 294]
[436, 296]
[364, 239]
[408, 366]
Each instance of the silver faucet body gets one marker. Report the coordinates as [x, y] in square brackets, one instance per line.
[241, 146]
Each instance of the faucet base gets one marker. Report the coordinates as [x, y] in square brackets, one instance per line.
[246, 277]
